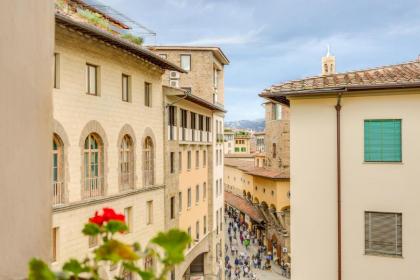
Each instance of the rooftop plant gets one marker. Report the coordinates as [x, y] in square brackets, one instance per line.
[94, 18]
[133, 38]
[116, 253]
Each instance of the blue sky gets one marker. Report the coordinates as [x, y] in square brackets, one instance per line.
[270, 41]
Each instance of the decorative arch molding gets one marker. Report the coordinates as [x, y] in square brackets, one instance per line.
[148, 132]
[58, 129]
[127, 130]
[93, 126]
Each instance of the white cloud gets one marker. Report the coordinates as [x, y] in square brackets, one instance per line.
[237, 39]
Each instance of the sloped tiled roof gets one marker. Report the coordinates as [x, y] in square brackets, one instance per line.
[249, 168]
[269, 173]
[244, 206]
[404, 75]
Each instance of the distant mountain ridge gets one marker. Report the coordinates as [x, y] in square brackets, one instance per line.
[254, 125]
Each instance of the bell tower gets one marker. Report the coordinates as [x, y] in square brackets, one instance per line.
[328, 63]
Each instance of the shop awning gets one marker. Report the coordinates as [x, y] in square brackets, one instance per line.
[244, 206]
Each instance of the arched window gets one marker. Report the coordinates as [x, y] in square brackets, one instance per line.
[126, 163]
[58, 171]
[148, 162]
[93, 170]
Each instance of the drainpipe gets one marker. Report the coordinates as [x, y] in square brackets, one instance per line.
[338, 116]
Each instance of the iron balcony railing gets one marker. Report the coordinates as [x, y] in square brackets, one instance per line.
[58, 193]
[94, 187]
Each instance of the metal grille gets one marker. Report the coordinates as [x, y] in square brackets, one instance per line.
[383, 233]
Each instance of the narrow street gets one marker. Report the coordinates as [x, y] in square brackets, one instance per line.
[273, 274]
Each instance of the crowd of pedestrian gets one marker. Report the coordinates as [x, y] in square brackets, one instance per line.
[240, 264]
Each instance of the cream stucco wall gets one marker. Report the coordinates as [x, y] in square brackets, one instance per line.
[26, 57]
[385, 187]
[271, 191]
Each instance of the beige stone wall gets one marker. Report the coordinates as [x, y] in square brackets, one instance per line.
[26, 54]
[200, 78]
[277, 132]
[76, 114]
[384, 187]
[74, 109]
[71, 219]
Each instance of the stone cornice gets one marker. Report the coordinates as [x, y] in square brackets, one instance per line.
[99, 200]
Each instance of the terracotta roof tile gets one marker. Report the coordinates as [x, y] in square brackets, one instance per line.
[249, 168]
[406, 74]
[244, 206]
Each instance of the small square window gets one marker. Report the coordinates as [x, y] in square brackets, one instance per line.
[383, 233]
[382, 140]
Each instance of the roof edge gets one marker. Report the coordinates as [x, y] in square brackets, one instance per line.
[118, 42]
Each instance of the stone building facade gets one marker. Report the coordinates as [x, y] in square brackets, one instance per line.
[357, 163]
[107, 138]
[26, 56]
[194, 118]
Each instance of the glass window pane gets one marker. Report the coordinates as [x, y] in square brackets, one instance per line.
[186, 62]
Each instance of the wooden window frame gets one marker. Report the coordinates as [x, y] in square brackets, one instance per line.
[126, 167]
[172, 208]
[189, 198]
[149, 212]
[57, 71]
[148, 162]
[148, 102]
[88, 78]
[172, 162]
[126, 83]
[93, 177]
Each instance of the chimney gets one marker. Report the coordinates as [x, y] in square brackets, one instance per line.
[328, 63]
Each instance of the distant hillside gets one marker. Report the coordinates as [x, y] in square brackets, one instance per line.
[255, 125]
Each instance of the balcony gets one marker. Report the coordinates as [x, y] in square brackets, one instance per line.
[172, 133]
[219, 138]
[58, 193]
[94, 187]
[126, 182]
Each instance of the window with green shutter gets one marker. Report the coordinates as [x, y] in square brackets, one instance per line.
[383, 140]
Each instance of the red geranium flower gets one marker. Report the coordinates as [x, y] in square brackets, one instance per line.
[99, 220]
[108, 215]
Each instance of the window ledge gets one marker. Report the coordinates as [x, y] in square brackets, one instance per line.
[383, 162]
[384, 255]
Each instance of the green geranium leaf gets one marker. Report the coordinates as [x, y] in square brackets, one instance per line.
[114, 251]
[174, 243]
[38, 270]
[145, 275]
[115, 226]
[75, 267]
[91, 229]
[136, 246]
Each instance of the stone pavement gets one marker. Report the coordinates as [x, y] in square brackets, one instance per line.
[273, 274]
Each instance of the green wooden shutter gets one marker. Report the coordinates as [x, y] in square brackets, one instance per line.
[383, 140]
